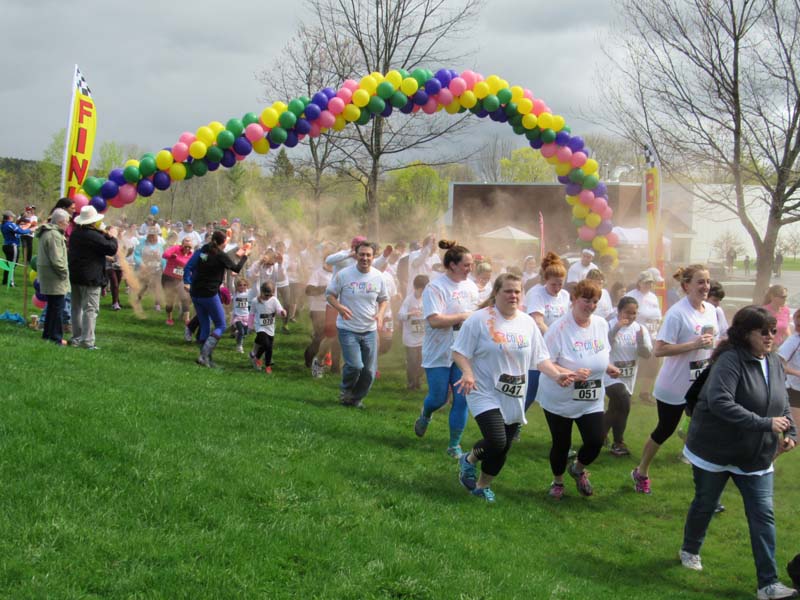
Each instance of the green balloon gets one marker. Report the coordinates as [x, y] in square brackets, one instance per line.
[548, 135]
[92, 185]
[515, 120]
[249, 119]
[519, 129]
[504, 95]
[420, 75]
[533, 134]
[566, 129]
[189, 173]
[225, 139]
[398, 99]
[235, 126]
[583, 244]
[511, 111]
[147, 166]
[578, 222]
[364, 117]
[403, 73]
[385, 90]
[376, 105]
[287, 119]
[199, 167]
[147, 155]
[477, 108]
[590, 182]
[277, 135]
[491, 103]
[132, 174]
[215, 153]
[576, 176]
[305, 100]
[296, 107]
[33, 262]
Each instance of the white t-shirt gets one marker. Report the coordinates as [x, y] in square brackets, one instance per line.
[605, 308]
[577, 272]
[413, 323]
[575, 347]
[241, 304]
[391, 292]
[649, 311]
[264, 314]
[625, 353]
[320, 277]
[790, 352]
[340, 260]
[552, 308]
[421, 262]
[197, 239]
[501, 352]
[361, 293]
[723, 323]
[443, 296]
[683, 324]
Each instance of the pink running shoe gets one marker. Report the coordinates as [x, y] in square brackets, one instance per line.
[556, 491]
[641, 482]
[581, 481]
[170, 322]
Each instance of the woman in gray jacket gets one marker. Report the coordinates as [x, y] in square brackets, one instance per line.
[53, 273]
[740, 424]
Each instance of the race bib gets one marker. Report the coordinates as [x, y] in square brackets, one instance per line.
[652, 326]
[388, 325]
[510, 385]
[178, 271]
[241, 303]
[626, 368]
[417, 326]
[267, 319]
[587, 391]
[696, 367]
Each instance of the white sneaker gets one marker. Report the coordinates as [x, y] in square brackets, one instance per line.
[317, 370]
[691, 561]
[239, 349]
[776, 591]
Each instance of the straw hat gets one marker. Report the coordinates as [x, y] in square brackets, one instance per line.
[88, 216]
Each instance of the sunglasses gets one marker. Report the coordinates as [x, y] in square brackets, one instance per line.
[772, 331]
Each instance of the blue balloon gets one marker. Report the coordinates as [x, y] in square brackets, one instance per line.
[433, 86]
[109, 189]
[100, 205]
[242, 146]
[212, 166]
[36, 284]
[313, 111]
[291, 139]
[228, 159]
[329, 92]
[482, 113]
[387, 111]
[161, 180]
[562, 138]
[499, 115]
[573, 189]
[564, 179]
[420, 98]
[601, 190]
[41, 297]
[536, 144]
[302, 126]
[272, 146]
[605, 227]
[408, 108]
[321, 100]
[116, 175]
[145, 187]
[154, 210]
[444, 77]
[575, 143]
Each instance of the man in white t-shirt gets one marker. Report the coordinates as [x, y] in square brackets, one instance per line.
[189, 231]
[581, 268]
[358, 294]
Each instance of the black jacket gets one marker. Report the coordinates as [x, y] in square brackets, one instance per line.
[732, 422]
[88, 248]
[205, 271]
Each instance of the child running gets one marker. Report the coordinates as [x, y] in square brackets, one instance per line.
[263, 309]
[410, 315]
[241, 311]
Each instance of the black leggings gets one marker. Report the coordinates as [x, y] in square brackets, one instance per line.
[591, 428]
[496, 442]
[669, 415]
[241, 331]
[263, 346]
[619, 406]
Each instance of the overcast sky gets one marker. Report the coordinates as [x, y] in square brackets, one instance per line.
[158, 68]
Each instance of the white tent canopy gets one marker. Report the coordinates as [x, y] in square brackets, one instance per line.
[509, 233]
[636, 236]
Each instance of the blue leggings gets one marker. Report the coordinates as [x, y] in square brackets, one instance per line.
[533, 387]
[439, 380]
[209, 309]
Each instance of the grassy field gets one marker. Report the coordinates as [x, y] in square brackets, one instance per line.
[133, 473]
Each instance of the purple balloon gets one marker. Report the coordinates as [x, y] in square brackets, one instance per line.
[99, 203]
[562, 138]
[291, 139]
[482, 113]
[145, 187]
[536, 144]
[228, 159]
[242, 146]
[420, 98]
[444, 77]
[387, 110]
[601, 190]
[408, 108]
[564, 179]
[313, 111]
[272, 145]
[302, 126]
[499, 115]
[41, 297]
[212, 166]
[573, 189]
[576, 143]
[108, 190]
[329, 92]
[605, 227]
[116, 175]
[36, 284]
[321, 100]
[433, 86]
[161, 180]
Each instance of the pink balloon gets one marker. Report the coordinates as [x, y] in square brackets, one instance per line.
[564, 154]
[187, 137]
[458, 86]
[345, 94]
[478, 77]
[301, 137]
[538, 107]
[254, 132]
[336, 105]
[80, 201]
[315, 129]
[599, 205]
[350, 84]
[326, 119]
[613, 239]
[180, 152]
[586, 233]
[469, 78]
[586, 197]
[430, 106]
[526, 93]
[127, 193]
[549, 150]
[445, 97]
[416, 108]
[116, 202]
[607, 214]
[239, 157]
[578, 159]
[40, 304]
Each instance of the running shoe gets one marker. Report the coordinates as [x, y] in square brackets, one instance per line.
[157, 308]
[203, 361]
[484, 493]
[455, 451]
[317, 369]
[240, 349]
[328, 360]
[421, 425]
[775, 591]
[170, 322]
[116, 306]
[720, 508]
[255, 362]
[581, 481]
[556, 491]
[268, 370]
[641, 482]
[619, 449]
[691, 561]
[187, 334]
[467, 473]
[572, 453]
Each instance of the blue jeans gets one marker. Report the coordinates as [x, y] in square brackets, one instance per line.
[439, 380]
[53, 329]
[756, 491]
[360, 355]
[209, 309]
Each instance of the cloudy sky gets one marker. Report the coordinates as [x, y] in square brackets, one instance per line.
[159, 68]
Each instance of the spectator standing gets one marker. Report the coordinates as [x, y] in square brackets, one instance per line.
[53, 272]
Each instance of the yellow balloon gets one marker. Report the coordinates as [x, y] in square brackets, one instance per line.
[563, 168]
[590, 167]
[378, 77]
[600, 243]
[503, 83]
[31, 275]
[524, 106]
[409, 86]
[205, 135]
[481, 90]
[177, 172]
[579, 211]
[395, 78]
[280, 107]
[269, 117]
[164, 160]
[545, 121]
[494, 83]
[609, 251]
[261, 146]
[132, 162]
[198, 149]
[361, 98]
[368, 83]
[517, 93]
[572, 200]
[216, 127]
[593, 220]
[529, 121]
[553, 160]
[339, 123]
[558, 123]
[351, 113]
[468, 99]
[453, 107]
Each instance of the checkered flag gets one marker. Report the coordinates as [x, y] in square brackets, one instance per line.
[80, 83]
[649, 157]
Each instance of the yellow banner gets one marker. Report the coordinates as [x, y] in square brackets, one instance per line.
[80, 143]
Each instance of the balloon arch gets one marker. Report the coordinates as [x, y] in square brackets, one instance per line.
[215, 144]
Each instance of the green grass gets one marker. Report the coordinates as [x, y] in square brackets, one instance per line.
[133, 473]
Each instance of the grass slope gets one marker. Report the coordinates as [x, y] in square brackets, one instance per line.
[133, 473]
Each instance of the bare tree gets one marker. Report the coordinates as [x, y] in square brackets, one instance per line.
[713, 86]
[487, 163]
[725, 243]
[789, 242]
[386, 35]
